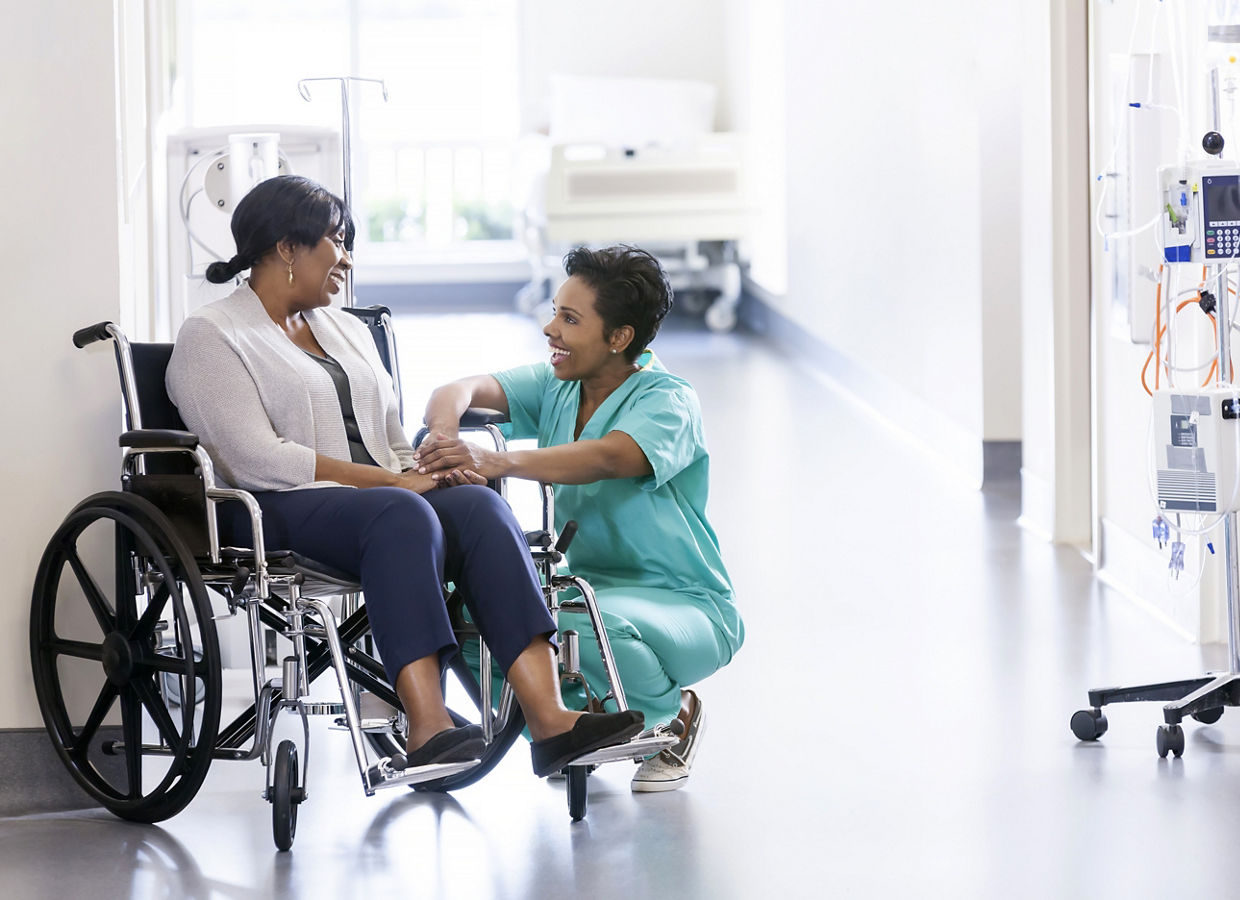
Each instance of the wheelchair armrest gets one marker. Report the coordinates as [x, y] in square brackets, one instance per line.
[477, 417]
[148, 438]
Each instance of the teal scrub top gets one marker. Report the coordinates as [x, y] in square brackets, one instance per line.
[649, 531]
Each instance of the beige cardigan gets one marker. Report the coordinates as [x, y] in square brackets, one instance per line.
[262, 408]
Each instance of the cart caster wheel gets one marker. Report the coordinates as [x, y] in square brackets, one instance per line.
[285, 795]
[1209, 716]
[1088, 724]
[1169, 739]
[576, 776]
[721, 317]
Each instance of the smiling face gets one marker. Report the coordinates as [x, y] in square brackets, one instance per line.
[321, 269]
[579, 346]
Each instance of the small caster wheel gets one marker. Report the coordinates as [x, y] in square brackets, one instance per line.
[721, 317]
[1088, 724]
[1169, 739]
[285, 795]
[1209, 716]
[577, 791]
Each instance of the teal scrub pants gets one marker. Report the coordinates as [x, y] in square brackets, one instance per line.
[662, 641]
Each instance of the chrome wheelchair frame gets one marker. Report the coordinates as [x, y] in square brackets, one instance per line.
[159, 650]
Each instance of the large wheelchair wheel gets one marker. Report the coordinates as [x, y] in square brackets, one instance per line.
[119, 606]
[389, 743]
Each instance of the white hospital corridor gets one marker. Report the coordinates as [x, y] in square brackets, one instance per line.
[545, 448]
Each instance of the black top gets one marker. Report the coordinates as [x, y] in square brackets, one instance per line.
[357, 449]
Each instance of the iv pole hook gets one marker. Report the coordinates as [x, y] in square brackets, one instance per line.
[346, 149]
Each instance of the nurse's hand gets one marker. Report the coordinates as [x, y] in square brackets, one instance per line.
[443, 454]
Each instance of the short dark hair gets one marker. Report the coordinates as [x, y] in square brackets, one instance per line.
[630, 288]
[287, 207]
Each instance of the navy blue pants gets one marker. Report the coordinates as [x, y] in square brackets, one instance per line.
[402, 547]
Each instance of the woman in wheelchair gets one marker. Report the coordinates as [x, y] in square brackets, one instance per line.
[621, 439]
[290, 400]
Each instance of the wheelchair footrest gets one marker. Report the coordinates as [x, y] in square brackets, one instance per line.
[379, 726]
[383, 775]
[648, 743]
[322, 709]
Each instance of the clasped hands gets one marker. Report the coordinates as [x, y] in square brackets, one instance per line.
[451, 461]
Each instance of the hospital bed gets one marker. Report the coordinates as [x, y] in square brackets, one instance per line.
[636, 161]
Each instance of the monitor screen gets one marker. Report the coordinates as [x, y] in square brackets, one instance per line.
[1221, 195]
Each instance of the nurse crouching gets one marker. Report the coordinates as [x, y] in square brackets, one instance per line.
[621, 440]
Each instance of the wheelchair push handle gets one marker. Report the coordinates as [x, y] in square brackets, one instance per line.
[92, 333]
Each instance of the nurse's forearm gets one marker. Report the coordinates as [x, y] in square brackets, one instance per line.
[448, 403]
[581, 462]
[445, 407]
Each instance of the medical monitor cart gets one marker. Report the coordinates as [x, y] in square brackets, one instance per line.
[1197, 438]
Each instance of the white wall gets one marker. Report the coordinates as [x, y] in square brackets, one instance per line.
[1055, 242]
[635, 39]
[63, 241]
[900, 162]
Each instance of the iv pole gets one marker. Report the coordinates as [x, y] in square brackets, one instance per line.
[346, 121]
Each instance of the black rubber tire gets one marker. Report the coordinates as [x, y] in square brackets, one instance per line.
[1209, 716]
[143, 539]
[285, 796]
[1088, 724]
[1169, 739]
[577, 787]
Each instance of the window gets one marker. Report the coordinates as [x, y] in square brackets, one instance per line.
[432, 166]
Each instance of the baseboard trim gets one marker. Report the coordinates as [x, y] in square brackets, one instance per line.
[962, 451]
[32, 777]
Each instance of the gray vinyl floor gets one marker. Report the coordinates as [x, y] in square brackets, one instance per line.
[895, 726]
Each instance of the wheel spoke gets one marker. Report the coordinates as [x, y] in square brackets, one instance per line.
[78, 649]
[154, 610]
[104, 615]
[160, 663]
[131, 722]
[154, 704]
[81, 742]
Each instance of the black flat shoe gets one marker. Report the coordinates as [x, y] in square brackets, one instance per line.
[591, 732]
[450, 745]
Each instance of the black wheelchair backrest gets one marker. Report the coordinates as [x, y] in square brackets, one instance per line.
[378, 320]
[150, 364]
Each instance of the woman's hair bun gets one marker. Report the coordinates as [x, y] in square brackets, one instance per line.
[220, 272]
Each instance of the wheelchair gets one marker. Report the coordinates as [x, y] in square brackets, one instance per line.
[147, 626]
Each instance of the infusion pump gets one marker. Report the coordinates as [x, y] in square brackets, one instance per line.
[1200, 213]
[1197, 447]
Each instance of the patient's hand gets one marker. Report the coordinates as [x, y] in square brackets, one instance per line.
[419, 483]
[443, 454]
[461, 476]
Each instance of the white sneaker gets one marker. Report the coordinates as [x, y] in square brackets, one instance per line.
[668, 770]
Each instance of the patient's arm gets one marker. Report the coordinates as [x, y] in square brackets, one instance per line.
[615, 455]
[449, 402]
[328, 469]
